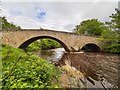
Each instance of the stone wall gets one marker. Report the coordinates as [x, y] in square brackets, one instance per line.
[70, 41]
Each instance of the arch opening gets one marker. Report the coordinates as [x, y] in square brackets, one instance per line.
[91, 48]
[29, 41]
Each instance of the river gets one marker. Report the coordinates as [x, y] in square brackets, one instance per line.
[101, 70]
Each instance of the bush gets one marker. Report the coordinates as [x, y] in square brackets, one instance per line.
[113, 48]
[22, 70]
[35, 46]
[49, 44]
[43, 44]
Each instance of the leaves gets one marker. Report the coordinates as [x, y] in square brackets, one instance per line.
[29, 71]
[6, 26]
[43, 44]
[91, 27]
[115, 21]
[111, 37]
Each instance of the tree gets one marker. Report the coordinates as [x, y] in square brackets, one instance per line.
[43, 44]
[6, 26]
[111, 37]
[108, 32]
[114, 24]
[91, 27]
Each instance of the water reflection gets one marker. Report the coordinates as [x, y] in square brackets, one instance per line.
[100, 70]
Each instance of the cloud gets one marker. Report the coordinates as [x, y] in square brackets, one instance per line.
[56, 15]
[16, 12]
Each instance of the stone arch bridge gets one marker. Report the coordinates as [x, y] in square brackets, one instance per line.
[70, 41]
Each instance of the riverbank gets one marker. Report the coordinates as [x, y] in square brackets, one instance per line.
[71, 77]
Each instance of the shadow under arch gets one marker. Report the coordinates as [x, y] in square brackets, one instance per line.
[29, 41]
[91, 47]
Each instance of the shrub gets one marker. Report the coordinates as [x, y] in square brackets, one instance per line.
[22, 70]
[113, 48]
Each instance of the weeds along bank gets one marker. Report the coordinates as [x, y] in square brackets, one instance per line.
[24, 70]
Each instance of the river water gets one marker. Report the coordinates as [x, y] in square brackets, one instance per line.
[101, 70]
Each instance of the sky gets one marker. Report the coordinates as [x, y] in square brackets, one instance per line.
[60, 15]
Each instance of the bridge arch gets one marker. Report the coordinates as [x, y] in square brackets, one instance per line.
[91, 47]
[29, 41]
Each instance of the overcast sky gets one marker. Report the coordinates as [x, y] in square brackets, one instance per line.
[62, 15]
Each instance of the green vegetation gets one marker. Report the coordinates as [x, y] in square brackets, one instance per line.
[6, 26]
[24, 70]
[91, 27]
[111, 38]
[111, 41]
[43, 44]
[108, 32]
